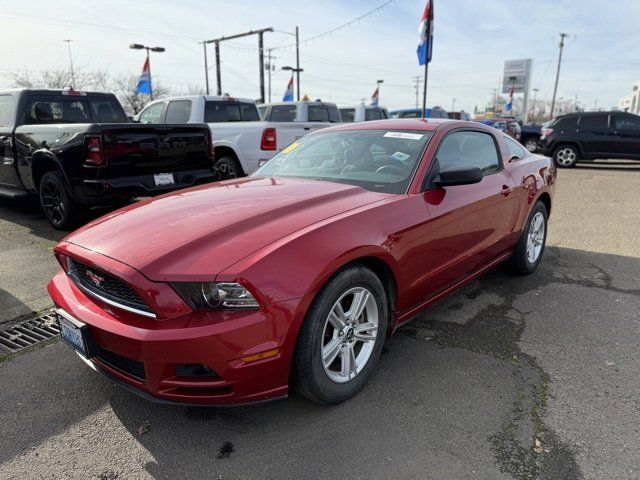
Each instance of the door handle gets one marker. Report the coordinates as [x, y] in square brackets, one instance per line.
[506, 190]
[307, 128]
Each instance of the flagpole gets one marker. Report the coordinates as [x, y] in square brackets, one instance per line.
[426, 63]
[149, 70]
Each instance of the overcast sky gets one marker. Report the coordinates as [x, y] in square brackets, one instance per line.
[473, 38]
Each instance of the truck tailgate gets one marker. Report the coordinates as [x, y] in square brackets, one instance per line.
[139, 149]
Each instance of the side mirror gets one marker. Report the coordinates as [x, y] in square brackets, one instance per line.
[450, 177]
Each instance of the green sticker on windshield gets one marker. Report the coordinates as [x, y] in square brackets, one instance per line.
[399, 156]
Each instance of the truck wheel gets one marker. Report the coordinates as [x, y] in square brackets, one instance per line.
[58, 206]
[531, 144]
[228, 168]
[566, 156]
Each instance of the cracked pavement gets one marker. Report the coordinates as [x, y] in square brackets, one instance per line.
[510, 378]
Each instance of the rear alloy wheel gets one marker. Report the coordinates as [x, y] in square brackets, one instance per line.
[566, 156]
[58, 206]
[228, 168]
[531, 145]
[341, 337]
[528, 252]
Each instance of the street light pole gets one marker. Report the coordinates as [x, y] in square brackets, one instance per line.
[206, 68]
[73, 78]
[555, 88]
[137, 46]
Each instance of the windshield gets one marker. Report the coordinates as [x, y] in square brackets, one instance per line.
[377, 160]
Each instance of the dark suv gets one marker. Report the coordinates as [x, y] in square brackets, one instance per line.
[587, 136]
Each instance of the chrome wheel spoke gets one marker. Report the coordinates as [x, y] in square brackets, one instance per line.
[331, 351]
[359, 302]
[337, 317]
[348, 364]
[365, 332]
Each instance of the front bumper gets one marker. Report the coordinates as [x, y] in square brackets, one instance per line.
[145, 357]
[99, 192]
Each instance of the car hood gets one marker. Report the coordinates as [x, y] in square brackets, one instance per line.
[196, 233]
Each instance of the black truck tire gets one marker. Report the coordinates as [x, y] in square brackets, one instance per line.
[57, 204]
[228, 168]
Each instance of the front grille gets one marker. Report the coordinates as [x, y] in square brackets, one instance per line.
[130, 367]
[106, 285]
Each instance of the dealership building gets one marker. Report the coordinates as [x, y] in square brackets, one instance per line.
[631, 103]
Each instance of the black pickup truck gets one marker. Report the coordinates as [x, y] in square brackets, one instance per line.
[78, 150]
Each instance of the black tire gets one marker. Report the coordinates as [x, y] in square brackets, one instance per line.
[228, 168]
[566, 156]
[520, 261]
[57, 204]
[309, 375]
[531, 144]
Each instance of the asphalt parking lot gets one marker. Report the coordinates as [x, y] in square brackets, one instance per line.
[511, 378]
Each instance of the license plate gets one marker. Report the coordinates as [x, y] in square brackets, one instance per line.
[73, 332]
[163, 179]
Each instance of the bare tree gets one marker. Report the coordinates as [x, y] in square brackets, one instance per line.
[124, 87]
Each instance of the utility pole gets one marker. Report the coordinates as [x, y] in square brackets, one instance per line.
[73, 78]
[495, 101]
[453, 105]
[575, 103]
[218, 78]
[417, 88]
[298, 70]
[533, 107]
[261, 64]
[555, 88]
[270, 67]
[206, 68]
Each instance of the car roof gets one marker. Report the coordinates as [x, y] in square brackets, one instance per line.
[426, 124]
[213, 98]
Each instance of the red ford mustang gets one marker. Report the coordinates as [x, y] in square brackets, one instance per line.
[231, 292]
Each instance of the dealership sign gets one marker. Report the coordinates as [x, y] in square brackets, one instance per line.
[517, 74]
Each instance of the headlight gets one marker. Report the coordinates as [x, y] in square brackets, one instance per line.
[215, 295]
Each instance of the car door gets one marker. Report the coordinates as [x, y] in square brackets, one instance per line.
[595, 135]
[8, 172]
[626, 130]
[470, 225]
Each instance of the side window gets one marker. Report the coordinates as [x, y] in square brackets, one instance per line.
[283, 113]
[178, 111]
[626, 122]
[514, 148]
[469, 149]
[6, 108]
[152, 114]
[593, 123]
[249, 112]
[348, 114]
[318, 114]
[373, 114]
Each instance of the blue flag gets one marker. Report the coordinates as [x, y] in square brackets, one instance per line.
[425, 32]
[144, 83]
[288, 93]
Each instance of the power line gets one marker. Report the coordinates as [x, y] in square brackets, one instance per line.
[377, 9]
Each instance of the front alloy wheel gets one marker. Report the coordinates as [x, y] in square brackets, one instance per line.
[341, 337]
[350, 333]
[566, 156]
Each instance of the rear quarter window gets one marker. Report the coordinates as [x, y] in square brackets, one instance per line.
[283, 113]
[373, 114]
[348, 114]
[178, 111]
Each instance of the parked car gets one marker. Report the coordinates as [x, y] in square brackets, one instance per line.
[241, 140]
[461, 115]
[508, 125]
[575, 137]
[435, 112]
[77, 150]
[363, 113]
[530, 136]
[301, 270]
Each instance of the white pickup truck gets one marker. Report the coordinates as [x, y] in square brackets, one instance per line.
[241, 140]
